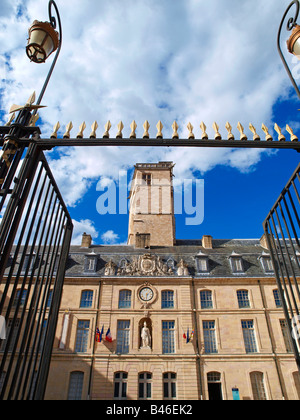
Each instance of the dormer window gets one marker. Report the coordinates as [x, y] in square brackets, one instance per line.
[201, 263]
[90, 263]
[236, 262]
[266, 263]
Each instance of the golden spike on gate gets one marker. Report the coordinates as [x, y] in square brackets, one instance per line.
[55, 128]
[280, 135]
[107, 128]
[81, 130]
[253, 130]
[216, 129]
[29, 105]
[11, 118]
[133, 127]
[94, 127]
[175, 127]
[241, 130]
[266, 131]
[33, 120]
[204, 135]
[159, 127]
[120, 128]
[146, 127]
[290, 131]
[190, 128]
[229, 129]
[68, 130]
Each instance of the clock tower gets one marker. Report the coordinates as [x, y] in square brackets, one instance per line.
[151, 214]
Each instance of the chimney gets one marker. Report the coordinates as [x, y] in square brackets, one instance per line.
[86, 241]
[207, 242]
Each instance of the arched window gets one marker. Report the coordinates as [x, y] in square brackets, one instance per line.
[206, 299]
[167, 299]
[75, 386]
[86, 300]
[124, 299]
[214, 386]
[243, 299]
[258, 387]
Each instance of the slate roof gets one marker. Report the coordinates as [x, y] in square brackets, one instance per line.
[219, 264]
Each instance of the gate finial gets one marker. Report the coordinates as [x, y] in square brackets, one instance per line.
[241, 130]
[280, 135]
[120, 128]
[107, 128]
[175, 128]
[253, 130]
[133, 127]
[159, 127]
[55, 128]
[146, 128]
[68, 128]
[94, 127]
[190, 128]
[266, 131]
[290, 131]
[81, 130]
[203, 129]
[217, 134]
[229, 129]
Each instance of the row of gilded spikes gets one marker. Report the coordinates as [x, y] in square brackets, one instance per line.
[175, 127]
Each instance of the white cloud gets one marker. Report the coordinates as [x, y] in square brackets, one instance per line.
[156, 60]
[79, 227]
[110, 237]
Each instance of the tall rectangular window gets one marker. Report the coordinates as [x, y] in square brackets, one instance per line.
[277, 298]
[286, 336]
[249, 336]
[124, 299]
[168, 337]
[243, 299]
[206, 299]
[120, 385]
[169, 380]
[82, 336]
[145, 384]
[75, 386]
[209, 335]
[167, 299]
[86, 299]
[123, 337]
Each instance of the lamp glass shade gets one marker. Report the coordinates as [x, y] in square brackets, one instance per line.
[43, 41]
[293, 43]
[296, 47]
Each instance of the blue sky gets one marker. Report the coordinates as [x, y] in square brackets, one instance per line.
[183, 60]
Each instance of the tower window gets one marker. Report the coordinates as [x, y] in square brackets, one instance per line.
[146, 179]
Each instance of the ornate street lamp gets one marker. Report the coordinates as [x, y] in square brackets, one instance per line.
[43, 41]
[293, 43]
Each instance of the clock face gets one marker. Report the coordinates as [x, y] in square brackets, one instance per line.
[146, 294]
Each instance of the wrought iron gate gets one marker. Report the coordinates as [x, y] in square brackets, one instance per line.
[35, 235]
[282, 231]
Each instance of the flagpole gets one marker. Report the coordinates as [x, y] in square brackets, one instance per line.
[94, 343]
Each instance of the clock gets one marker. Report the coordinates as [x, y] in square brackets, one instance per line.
[146, 294]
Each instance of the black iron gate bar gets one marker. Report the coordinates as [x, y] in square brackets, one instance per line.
[282, 230]
[48, 144]
[38, 249]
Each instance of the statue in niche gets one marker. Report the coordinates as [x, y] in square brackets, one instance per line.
[182, 269]
[146, 337]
